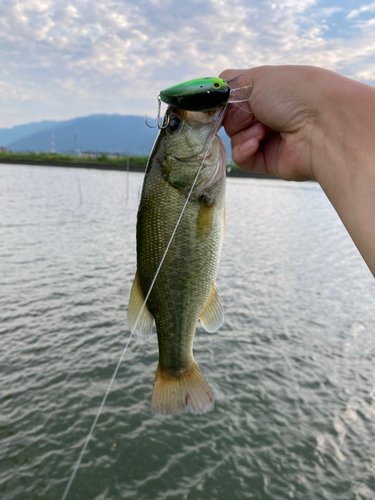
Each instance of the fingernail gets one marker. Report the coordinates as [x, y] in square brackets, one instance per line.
[249, 146]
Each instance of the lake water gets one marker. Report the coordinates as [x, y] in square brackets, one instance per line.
[292, 368]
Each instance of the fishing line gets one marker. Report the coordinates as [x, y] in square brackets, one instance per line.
[239, 88]
[181, 214]
[235, 103]
[76, 467]
[78, 463]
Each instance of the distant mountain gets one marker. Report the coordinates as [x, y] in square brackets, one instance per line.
[9, 135]
[97, 133]
[127, 135]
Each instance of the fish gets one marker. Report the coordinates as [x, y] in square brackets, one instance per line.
[184, 290]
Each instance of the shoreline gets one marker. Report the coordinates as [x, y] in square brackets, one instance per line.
[123, 168]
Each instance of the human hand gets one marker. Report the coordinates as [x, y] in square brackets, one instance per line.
[311, 123]
[287, 103]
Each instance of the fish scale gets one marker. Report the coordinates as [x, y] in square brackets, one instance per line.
[184, 289]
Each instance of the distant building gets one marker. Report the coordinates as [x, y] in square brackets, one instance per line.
[4, 149]
[96, 154]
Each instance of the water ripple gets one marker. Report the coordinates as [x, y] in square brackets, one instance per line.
[291, 368]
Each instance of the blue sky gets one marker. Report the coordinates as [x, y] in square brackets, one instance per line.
[61, 60]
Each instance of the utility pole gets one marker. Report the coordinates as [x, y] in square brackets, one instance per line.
[127, 187]
[53, 149]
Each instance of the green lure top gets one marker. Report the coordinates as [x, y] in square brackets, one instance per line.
[202, 94]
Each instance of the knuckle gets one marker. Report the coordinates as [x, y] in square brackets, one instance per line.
[227, 73]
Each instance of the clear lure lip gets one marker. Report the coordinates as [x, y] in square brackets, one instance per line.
[241, 88]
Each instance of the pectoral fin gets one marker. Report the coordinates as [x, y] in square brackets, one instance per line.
[136, 301]
[213, 315]
[205, 221]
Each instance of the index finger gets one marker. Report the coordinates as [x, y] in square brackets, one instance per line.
[239, 115]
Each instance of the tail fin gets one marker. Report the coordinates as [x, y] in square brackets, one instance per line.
[187, 393]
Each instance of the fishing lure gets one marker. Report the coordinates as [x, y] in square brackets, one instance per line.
[204, 94]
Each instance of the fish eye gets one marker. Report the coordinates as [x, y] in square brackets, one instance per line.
[174, 123]
[217, 85]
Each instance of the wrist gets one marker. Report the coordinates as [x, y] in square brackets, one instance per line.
[344, 133]
[344, 158]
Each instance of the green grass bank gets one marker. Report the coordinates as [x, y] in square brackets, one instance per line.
[102, 162]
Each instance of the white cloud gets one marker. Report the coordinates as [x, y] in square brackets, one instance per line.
[367, 73]
[366, 26]
[365, 8]
[117, 55]
[72, 12]
[329, 11]
[10, 91]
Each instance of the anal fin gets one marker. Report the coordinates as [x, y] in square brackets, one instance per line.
[212, 316]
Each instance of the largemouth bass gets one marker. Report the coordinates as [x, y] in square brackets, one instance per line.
[184, 289]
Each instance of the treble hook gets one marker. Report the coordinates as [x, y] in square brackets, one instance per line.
[159, 122]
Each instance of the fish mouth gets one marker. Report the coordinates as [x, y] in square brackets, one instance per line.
[199, 118]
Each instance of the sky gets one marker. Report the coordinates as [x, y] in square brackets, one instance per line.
[61, 60]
